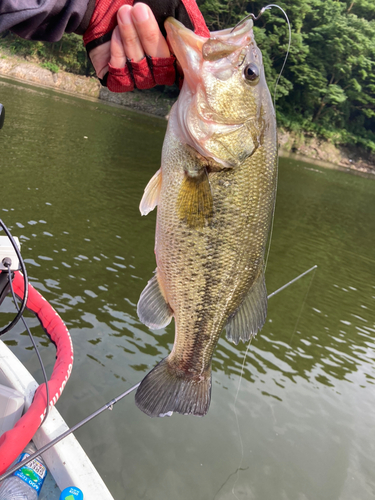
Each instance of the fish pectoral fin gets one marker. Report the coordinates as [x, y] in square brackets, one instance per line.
[164, 391]
[150, 197]
[250, 317]
[152, 308]
[194, 200]
[210, 164]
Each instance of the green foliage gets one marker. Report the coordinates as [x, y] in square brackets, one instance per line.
[328, 85]
[68, 54]
[221, 14]
[51, 66]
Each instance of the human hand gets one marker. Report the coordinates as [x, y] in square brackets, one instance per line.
[121, 61]
[136, 35]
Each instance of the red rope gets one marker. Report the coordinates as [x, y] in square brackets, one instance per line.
[15, 440]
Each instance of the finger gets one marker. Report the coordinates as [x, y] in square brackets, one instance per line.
[130, 40]
[100, 57]
[151, 38]
[118, 56]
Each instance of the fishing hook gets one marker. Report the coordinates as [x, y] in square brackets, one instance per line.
[255, 18]
[262, 10]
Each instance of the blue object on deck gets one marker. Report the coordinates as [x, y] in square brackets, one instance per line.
[71, 493]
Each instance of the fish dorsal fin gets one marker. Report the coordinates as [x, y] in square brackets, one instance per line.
[150, 197]
[153, 310]
[250, 317]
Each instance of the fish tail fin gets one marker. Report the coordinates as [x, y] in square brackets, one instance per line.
[165, 390]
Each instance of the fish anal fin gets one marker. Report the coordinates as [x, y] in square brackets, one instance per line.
[165, 391]
[194, 200]
[150, 197]
[250, 317]
[152, 308]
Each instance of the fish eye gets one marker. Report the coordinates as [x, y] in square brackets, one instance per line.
[251, 72]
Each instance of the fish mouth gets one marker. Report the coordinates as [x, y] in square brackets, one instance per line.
[223, 43]
[174, 27]
[230, 33]
[187, 47]
[181, 37]
[191, 49]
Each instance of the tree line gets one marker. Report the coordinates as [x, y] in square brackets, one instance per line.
[328, 85]
[68, 54]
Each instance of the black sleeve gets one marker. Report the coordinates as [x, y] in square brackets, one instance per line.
[45, 20]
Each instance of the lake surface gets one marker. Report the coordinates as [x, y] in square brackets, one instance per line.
[303, 424]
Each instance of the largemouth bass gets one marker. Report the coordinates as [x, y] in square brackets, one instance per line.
[215, 194]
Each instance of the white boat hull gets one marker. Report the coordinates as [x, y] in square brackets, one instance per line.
[66, 461]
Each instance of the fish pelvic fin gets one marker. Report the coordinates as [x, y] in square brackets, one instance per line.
[165, 390]
[194, 201]
[152, 308]
[250, 317]
[151, 195]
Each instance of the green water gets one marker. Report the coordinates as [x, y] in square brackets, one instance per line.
[303, 425]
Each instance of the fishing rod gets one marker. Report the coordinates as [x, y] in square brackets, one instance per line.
[110, 404]
[292, 281]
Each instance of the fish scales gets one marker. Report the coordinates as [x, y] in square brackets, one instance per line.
[211, 239]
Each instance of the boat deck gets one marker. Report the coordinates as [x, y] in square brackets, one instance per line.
[50, 490]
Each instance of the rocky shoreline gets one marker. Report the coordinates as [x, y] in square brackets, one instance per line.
[159, 104]
[30, 72]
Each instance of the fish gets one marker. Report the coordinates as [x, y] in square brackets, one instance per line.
[215, 196]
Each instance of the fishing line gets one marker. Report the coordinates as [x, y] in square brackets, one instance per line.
[255, 18]
[110, 404]
[302, 306]
[32, 341]
[287, 50]
[243, 366]
[25, 280]
[238, 424]
[20, 310]
[227, 479]
[267, 7]
[107, 406]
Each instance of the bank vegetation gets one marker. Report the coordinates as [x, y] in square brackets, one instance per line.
[327, 89]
